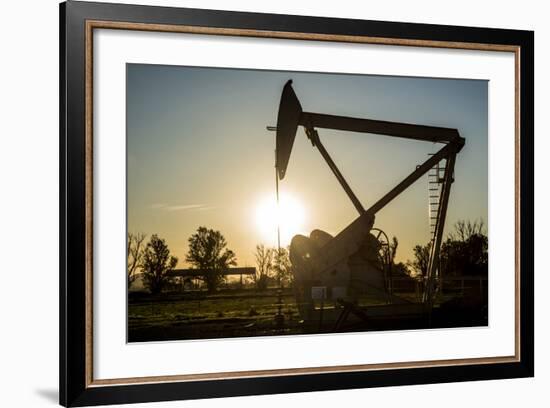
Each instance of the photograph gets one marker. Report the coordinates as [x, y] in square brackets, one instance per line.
[263, 203]
[255, 203]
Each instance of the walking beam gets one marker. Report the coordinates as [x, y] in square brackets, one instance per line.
[291, 116]
[380, 127]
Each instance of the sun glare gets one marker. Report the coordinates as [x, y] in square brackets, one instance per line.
[290, 215]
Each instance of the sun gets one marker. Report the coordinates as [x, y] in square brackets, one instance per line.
[289, 215]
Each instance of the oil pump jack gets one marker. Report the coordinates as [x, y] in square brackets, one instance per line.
[348, 264]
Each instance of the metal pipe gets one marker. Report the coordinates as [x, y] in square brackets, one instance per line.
[314, 137]
[415, 175]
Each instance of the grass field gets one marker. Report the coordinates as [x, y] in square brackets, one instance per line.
[243, 313]
[196, 314]
[228, 313]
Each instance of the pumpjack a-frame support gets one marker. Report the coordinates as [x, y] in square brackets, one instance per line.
[291, 116]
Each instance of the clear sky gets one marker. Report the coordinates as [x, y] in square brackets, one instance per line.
[199, 154]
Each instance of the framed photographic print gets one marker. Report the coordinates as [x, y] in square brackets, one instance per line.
[255, 203]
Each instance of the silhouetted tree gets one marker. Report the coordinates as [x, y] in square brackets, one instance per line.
[134, 248]
[282, 267]
[400, 270]
[264, 262]
[393, 249]
[420, 263]
[464, 230]
[388, 252]
[208, 251]
[465, 252]
[157, 261]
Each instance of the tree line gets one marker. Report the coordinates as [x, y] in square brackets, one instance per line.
[208, 252]
[464, 252]
[273, 264]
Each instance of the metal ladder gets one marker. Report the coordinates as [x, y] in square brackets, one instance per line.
[436, 177]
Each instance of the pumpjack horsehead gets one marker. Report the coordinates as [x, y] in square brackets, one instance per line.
[349, 264]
